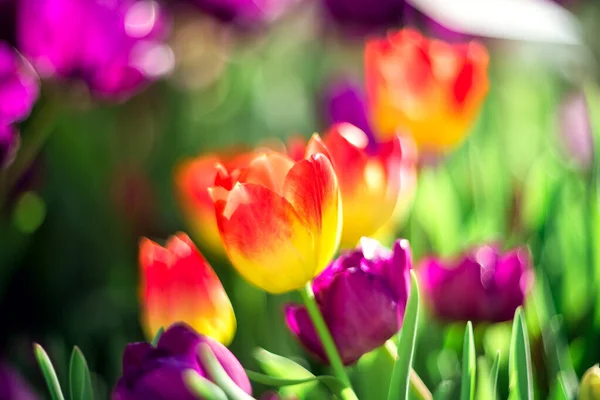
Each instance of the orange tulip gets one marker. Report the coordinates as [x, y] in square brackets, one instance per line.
[178, 285]
[433, 89]
[279, 219]
[371, 177]
[193, 177]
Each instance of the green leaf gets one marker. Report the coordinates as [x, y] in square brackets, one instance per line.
[560, 391]
[48, 372]
[494, 374]
[156, 338]
[219, 376]
[374, 372]
[80, 380]
[282, 369]
[445, 391]
[519, 367]
[399, 384]
[467, 386]
[201, 387]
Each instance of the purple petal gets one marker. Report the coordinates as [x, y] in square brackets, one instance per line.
[365, 16]
[300, 324]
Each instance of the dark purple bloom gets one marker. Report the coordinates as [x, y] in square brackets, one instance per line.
[576, 130]
[156, 373]
[7, 20]
[364, 16]
[12, 385]
[244, 13]
[362, 296]
[115, 46]
[483, 285]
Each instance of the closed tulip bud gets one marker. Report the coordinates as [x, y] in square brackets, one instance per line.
[362, 296]
[157, 373]
[432, 89]
[483, 285]
[589, 389]
[279, 220]
[178, 284]
[369, 178]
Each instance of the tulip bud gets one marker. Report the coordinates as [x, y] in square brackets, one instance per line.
[157, 373]
[483, 285]
[178, 284]
[589, 389]
[362, 296]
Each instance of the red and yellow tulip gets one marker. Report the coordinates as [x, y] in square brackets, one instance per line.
[193, 177]
[371, 177]
[433, 89]
[177, 285]
[279, 219]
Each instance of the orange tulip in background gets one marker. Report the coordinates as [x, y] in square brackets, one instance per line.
[430, 88]
[279, 219]
[178, 284]
[193, 177]
[372, 176]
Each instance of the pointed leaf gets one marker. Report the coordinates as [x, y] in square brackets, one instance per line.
[560, 389]
[156, 338]
[399, 384]
[467, 386]
[519, 367]
[80, 380]
[284, 369]
[48, 372]
[328, 380]
[494, 375]
[201, 387]
[219, 376]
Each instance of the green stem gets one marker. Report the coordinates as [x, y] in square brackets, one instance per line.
[417, 387]
[308, 297]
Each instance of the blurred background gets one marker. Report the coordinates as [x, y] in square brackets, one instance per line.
[104, 178]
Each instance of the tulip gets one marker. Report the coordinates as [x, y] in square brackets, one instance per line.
[12, 386]
[368, 173]
[589, 389]
[362, 296]
[156, 373]
[193, 178]
[279, 220]
[430, 88]
[114, 47]
[483, 285]
[364, 16]
[19, 86]
[178, 284]
[357, 156]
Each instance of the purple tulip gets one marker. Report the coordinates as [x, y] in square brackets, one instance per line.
[244, 13]
[12, 385]
[576, 131]
[362, 296]
[483, 285]
[19, 86]
[114, 46]
[364, 16]
[156, 373]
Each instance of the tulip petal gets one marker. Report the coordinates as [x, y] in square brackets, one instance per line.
[269, 170]
[300, 324]
[266, 240]
[311, 188]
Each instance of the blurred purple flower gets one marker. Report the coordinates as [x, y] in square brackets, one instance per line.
[483, 285]
[12, 385]
[244, 13]
[362, 296]
[576, 130]
[364, 16]
[115, 46]
[151, 373]
[7, 20]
